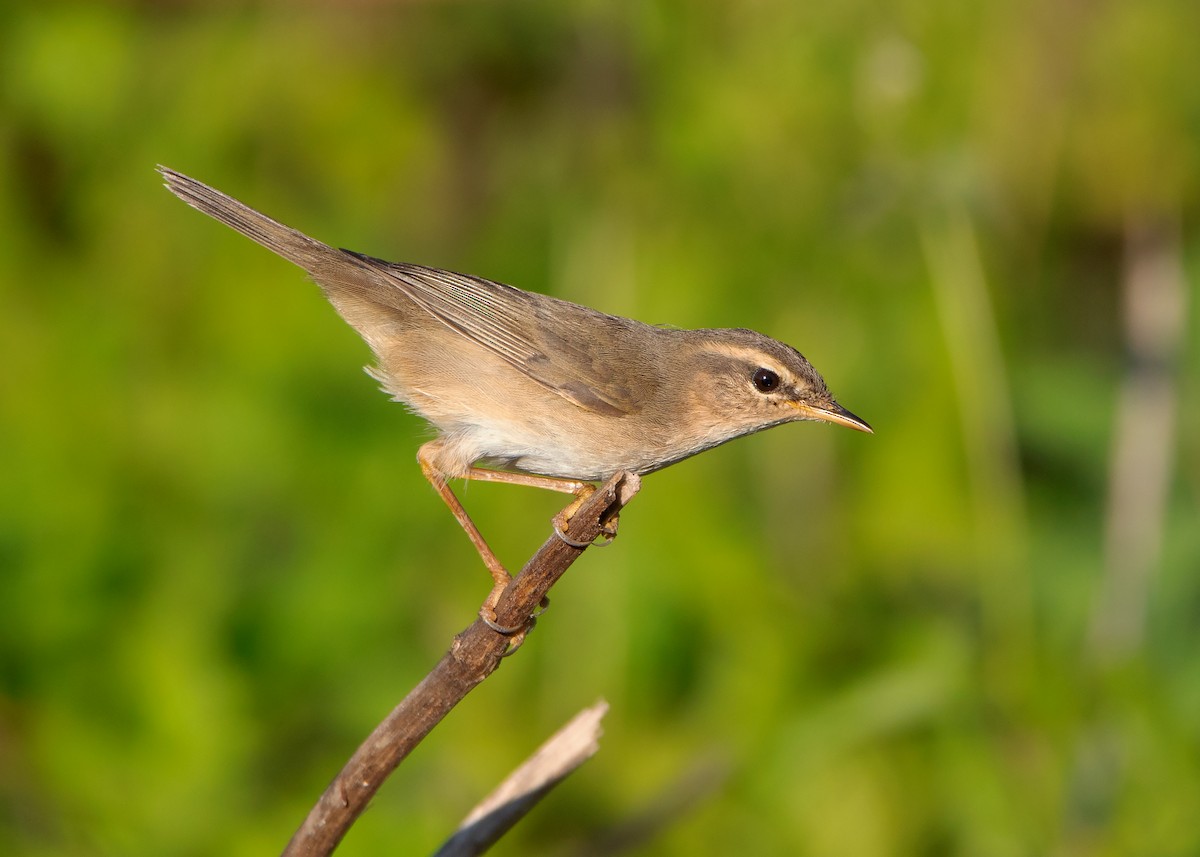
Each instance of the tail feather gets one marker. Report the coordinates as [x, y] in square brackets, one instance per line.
[358, 286]
[292, 245]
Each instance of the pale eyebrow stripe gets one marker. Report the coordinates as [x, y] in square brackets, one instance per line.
[749, 355]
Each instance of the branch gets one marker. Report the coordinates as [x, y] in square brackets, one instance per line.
[563, 752]
[473, 656]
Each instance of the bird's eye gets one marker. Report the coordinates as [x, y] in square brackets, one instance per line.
[765, 380]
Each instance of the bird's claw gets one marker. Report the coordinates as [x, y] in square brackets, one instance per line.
[608, 532]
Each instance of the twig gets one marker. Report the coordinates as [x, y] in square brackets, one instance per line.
[563, 752]
[473, 656]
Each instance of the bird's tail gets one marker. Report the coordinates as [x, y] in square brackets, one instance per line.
[359, 287]
[292, 245]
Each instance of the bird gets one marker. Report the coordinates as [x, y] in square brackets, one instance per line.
[528, 389]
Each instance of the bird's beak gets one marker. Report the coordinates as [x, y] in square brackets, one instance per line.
[833, 413]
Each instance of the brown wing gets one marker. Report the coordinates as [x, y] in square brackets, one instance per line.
[570, 349]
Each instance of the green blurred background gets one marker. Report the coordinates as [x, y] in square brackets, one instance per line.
[977, 632]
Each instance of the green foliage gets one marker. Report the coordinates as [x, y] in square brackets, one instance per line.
[219, 564]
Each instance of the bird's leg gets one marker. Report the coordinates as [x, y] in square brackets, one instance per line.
[562, 521]
[501, 576]
[499, 573]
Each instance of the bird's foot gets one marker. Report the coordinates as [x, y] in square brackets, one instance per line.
[515, 633]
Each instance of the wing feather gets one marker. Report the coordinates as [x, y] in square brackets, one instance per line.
[513, 324]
